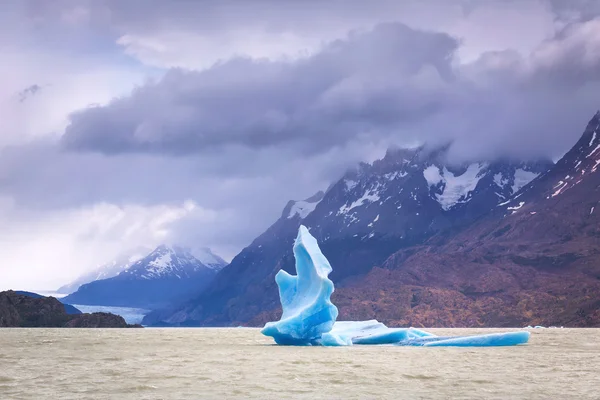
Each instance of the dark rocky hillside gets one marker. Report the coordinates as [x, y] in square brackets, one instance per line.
[24, 311]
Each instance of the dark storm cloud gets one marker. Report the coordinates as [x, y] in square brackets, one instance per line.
[392, 83]
[367, 82]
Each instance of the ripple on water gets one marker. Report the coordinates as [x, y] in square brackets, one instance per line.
[419, 377]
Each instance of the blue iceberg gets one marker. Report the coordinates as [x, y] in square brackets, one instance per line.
[309, 316]
[307, 310]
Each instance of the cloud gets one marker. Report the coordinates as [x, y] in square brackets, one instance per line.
[196, 35]
[392, 83]
[257, 110]
[43, 251]
[355, 85]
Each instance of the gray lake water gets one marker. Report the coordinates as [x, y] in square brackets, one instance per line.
[241, 363]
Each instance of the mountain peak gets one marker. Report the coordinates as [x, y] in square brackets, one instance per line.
[170, 248]
[174, 261]
[399, 155]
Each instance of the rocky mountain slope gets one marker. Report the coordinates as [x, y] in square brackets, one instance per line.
[371, 213]
[25, 311]
[535, 260]
[166, 275]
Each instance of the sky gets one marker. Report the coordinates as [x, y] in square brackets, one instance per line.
[135, 123]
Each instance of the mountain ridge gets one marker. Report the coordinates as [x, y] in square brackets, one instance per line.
[532, 261]
[361, 220]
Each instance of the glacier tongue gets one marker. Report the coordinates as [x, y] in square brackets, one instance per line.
[309, 315]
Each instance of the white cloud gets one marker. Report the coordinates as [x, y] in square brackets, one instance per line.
[282, 30]
[46, 112]
[41, 250]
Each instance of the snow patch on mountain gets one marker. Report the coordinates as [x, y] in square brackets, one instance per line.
[500, 180]
[432, 175]
[302, 209]
[370, 195]
[593, 151]
[559, 188]
[515, 208]
[350, 184]
[458, 187]
[522, 178]
[160, 265]
[397, 174]
[455, 188]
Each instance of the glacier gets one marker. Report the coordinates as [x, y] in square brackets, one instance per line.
[309, 316]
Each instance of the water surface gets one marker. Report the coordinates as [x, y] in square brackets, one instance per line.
[241, 363]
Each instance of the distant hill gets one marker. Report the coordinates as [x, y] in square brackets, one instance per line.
[33, 311]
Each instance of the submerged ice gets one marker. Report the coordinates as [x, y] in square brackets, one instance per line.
[309, 316]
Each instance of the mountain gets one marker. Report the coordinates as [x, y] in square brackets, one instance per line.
[28, 310]
[372, 212]
[535, 260]
[168, 274]
[108, 270]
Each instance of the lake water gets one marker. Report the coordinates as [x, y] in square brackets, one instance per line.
[241, 363]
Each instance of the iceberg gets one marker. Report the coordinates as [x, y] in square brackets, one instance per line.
[309, 316]
[305, 298]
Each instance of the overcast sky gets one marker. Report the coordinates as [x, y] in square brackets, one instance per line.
[128, 123]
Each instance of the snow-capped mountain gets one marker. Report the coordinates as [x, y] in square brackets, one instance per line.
[414, 193]
[364, 217]
[534, 260]
[172, 262]
[485, 243]
[167, 274]
[108, 270]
